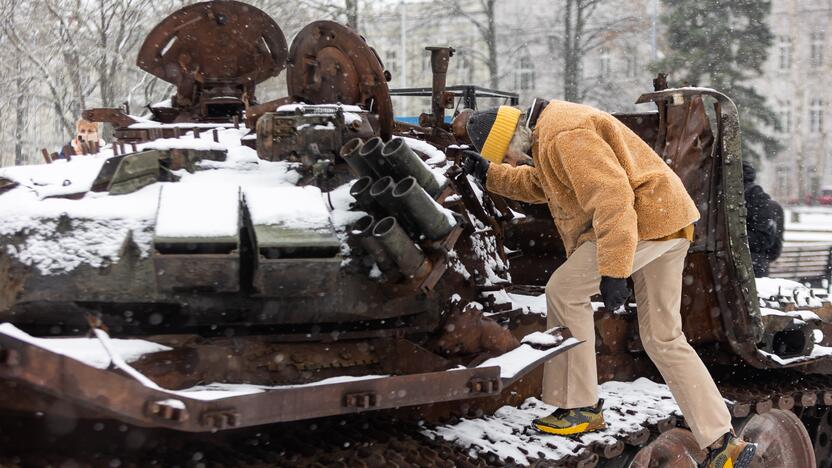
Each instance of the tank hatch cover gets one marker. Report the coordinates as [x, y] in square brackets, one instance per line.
[225, 42]
[330, 63]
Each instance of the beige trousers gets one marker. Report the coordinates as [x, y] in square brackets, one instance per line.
[571, 379]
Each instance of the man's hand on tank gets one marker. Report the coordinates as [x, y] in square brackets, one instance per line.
[614, 292]
[475, 165]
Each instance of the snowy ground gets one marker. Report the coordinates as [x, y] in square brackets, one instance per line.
[628, 407]
[808, 224]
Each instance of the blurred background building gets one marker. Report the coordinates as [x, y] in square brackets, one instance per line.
[796, 83]
[55, 60]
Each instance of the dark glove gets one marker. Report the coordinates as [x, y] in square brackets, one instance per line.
[614, 292]
[475, 165]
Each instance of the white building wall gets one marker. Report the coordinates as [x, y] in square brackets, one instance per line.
[617, 71]
[796, 83]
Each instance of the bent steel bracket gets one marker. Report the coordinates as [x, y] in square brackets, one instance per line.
[127, 399]
[739, 303]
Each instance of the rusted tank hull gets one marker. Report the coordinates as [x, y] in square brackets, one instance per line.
[133, 400]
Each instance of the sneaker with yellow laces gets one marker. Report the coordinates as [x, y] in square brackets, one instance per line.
[570, 422]
[733, 452]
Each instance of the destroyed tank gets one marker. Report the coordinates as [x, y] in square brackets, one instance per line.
[227, 263]
[334, 260]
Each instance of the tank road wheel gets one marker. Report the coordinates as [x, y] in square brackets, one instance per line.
[782, 440]
[818, 421]
[676, 448]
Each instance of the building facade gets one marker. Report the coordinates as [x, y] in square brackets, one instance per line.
[794, 82]
[615, 59]
[530, 41]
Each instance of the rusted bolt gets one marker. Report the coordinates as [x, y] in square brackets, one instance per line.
[763, 406]
[360, 400]
[220, 419]
[808, 399]
[639, 438]
[169, 410]
[483, 385]
[740, 410]
[784, 402]
[613, 450]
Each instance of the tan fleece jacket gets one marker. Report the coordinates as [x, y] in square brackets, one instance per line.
[601, 182]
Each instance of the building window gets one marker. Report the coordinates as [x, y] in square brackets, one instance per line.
[783, 182]
[553, 43]
[391, 61]
[816, 116]
[604, 64]
[817, 43]
[785, 46]
[632, 65]
[784, 121]
[525, 74]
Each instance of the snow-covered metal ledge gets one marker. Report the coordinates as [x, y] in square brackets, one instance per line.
[94, 373]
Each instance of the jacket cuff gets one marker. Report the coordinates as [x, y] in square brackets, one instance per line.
[493, 176]
[617, 266]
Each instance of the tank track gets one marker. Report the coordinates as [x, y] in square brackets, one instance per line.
[389, 439]
[809, 397]
[364, 441]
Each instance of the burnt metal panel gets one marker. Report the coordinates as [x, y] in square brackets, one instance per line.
[215, 42]
[329, 62]
[196, 262]
[128, 400]
[197, 272]
[727, 246]
[275, 242]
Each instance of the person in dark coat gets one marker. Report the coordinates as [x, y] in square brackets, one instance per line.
[764, 222]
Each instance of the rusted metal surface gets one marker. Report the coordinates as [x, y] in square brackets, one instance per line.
[6, 185]
[440, 99]
[324, 312]
[781, 440]
[132, 401]
[330, 63]
[309, 134]
[215, 53]
[727, 233]
[676, 448]
[360, 442]
[818, 422]
[115, 116]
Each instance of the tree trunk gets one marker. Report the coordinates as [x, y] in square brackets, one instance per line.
[352, 14]
[105, 80]
[570, 82]
[21, 112]
[491, 42]
[572, 55]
